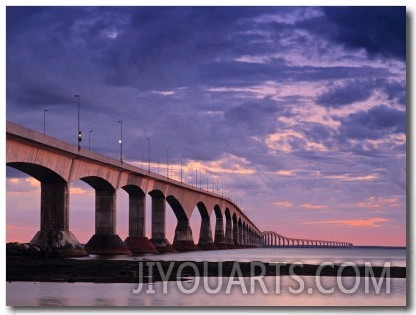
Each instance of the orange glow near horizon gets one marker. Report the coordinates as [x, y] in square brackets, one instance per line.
[372, 222]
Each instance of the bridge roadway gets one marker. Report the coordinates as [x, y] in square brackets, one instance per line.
[273, 239]
[55, 164]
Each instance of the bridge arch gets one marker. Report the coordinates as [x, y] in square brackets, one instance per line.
[183, 234]
[105, 240]
[205, 234]
[136, 240]
[54, 209]
[158, 209]
[39, 172]
[219, 228]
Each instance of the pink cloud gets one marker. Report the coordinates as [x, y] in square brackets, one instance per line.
[313, 207]
[371, 222]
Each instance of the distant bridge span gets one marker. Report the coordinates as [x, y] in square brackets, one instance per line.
[55, 164]
[273, 239]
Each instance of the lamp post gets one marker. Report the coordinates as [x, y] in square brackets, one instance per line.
[44, 121]
[167, 163]
[121, 140]
[148, 139]
[89, 139]
[181, 170]
[78, 97]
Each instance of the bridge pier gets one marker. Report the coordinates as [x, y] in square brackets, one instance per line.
[158, 224]
[54, 231]
[105, 241]
[205, 234]
[228, 231]
[219, 233]
[236, 233]
[137, 241]
[183, 240]
[240, 234]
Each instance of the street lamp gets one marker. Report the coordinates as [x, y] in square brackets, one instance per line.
[89, 139]
[167, 163]
[148, 139]
[181, 170]
[121, 140]
[44, 121]
[79, 127]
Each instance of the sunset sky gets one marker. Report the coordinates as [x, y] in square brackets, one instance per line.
[298, 113]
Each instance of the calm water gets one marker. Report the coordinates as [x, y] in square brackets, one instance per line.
[358, 255]
[268, 291]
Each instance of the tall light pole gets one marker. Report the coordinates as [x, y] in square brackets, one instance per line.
[79, 127]
[121, 140]
[181, 170]
[148, 139]
[167, 163]
[44, 121]
[89, 139]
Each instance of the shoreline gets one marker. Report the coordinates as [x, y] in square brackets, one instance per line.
[124, 271]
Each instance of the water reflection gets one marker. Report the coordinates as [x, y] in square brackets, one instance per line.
[358, 255]
[121, 294]
[53, 302]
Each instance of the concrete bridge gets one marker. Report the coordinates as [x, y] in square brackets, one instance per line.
[55, 164]
[273, 239]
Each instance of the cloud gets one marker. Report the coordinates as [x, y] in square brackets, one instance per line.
[22, 185]
[285, 172]
[74, 190]
[283, 203]
[313, 207]
[379, 202]
[349, 177]
[375, 123]
[381, 31]
[371, 222]
[227, 164]
[346, 94]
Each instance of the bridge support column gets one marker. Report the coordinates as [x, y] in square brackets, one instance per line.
[183, 240]
[240, 235]
[236, 234]
[219, 233]
[105, 241]
[229, 233]
[137, 241]
[54, 234]
[205, 234]
[158, 224]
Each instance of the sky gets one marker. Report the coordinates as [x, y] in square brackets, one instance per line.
[296, 113]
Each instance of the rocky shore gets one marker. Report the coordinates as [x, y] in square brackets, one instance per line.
[24, 268]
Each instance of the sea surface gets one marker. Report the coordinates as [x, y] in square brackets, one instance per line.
[243, 291]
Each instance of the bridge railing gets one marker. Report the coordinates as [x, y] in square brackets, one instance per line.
[273, 239]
